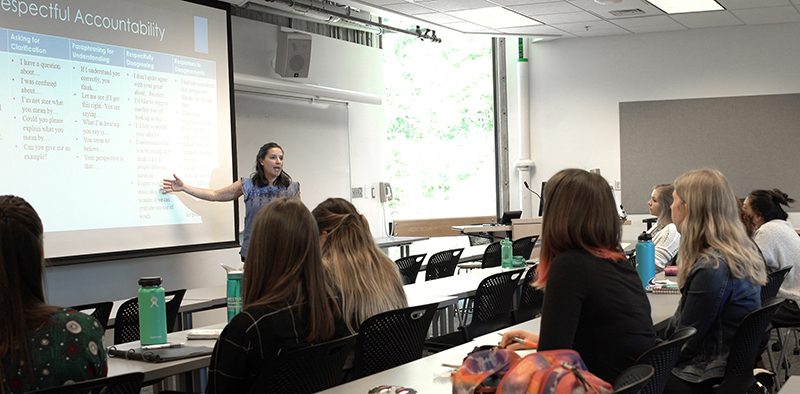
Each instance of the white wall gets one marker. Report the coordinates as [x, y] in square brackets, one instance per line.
[334, 63]
[576, 86]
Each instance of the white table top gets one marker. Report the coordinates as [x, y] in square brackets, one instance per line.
[385, 242]
[463, 285]
[792, 386]
[482, 228]
[427, 375]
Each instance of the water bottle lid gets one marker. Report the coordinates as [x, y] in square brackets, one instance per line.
[150, 281]
[644, 236]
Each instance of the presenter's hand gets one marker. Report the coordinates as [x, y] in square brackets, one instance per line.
[511, 344]
[172, 185]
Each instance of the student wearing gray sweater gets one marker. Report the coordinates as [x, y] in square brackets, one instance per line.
[780, 246]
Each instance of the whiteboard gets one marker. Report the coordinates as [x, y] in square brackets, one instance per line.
[314, 136]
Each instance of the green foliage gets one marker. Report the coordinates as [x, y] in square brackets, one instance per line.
[440, 124]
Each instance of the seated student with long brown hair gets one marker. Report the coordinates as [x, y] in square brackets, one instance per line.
[287, 301]
[368, 282]
[720, 274]
[594, 302]
[41, 345]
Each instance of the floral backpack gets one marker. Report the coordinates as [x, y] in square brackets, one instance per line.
[503, 371]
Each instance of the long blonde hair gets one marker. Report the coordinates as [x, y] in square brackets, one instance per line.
[711, 224]
[368, 281]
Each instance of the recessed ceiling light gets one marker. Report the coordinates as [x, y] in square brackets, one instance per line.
[681, 6]
[494, 17]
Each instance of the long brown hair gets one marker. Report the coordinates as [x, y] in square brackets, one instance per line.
[22, 301]
[579, 213]
[712, 223]
[367, 280]
[284, 265]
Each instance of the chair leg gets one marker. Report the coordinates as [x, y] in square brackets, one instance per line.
[783, 358]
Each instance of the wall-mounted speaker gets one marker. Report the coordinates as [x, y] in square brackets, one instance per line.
[294, 54]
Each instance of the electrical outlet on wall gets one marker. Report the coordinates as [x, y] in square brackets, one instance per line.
[617, 184]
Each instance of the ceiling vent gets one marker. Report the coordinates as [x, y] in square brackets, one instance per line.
[631, 12]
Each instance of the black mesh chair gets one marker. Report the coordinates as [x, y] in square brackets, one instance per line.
[443, 264]
[409, 267]
[492, 256]
[308, 370]
[126, 324]
[494, 300]
[100, 311]
[531, 299]
[392, 338]
[631, 380]
[663, 358]
[744, 349]
[130, 383]
[774, 282]
[524, 246]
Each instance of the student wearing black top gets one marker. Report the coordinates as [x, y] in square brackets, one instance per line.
[288, 302]
[594, 302]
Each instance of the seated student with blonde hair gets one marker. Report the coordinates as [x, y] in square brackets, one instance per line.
[41, 345]
[720, 274]
[594, 302]
[367, 280]
[666, 238]
[287, 301]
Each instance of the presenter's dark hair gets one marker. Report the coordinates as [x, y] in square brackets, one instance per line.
[579, 213]
[258, 177]
[767, 203]
[284, 266]
[21, 276]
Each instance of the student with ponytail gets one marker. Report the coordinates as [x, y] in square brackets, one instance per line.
[780, 246]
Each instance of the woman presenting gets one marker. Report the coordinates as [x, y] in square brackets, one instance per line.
[267, 183]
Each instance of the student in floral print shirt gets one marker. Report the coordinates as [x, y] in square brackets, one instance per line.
[42, 345]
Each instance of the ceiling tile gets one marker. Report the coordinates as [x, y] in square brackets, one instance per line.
[742, 4]
[532, 30]
[438, 17]
[408, 9]
[660, 20]
[760, 16]
[465, 26]
[458, 5]
[545, 8]
[580, 28]
[604, 11]
[655, 28]
[569, 17]
[521, 2]
[701, 20]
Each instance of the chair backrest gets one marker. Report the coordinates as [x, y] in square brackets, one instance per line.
[631, 380]
[100, 311]
[409, 267]
[524, 246]
[130, 383]
[774, 282]
[663, 358]
[126, 323]
[494, 300]
[530, 299]
[443, 264]
[492, 256]
[391, 338]
[744, 348]
[308, 370]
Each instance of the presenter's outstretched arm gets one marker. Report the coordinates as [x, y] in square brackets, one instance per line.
[227, 193]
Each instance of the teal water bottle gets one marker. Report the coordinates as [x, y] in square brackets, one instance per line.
[646, 260]
[152, 312]
[506, 254]
[234, 291]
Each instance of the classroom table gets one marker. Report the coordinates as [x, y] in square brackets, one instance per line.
[403, 242]
[792, 386]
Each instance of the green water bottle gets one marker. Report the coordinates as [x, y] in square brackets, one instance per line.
[506, 254]
[152, 312]
[234, 290]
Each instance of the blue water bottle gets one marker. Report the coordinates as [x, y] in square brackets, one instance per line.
[646, 260]
[152, 312]
[506, 254]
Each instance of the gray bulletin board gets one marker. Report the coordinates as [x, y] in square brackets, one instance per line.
[753, 140]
